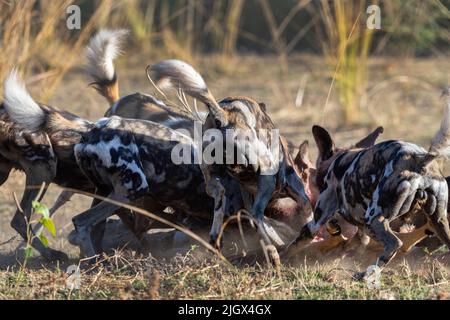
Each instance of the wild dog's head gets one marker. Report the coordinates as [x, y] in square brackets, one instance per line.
[23, 145]
[243, 117]
[328, 152]
[285, 207]
[307, 172]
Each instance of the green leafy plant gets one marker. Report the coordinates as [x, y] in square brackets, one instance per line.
[45, 220]
[39, 216]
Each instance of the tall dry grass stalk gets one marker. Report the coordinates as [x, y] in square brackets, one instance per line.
[345, 42]
[276, 33]
[172, 45]
[232, 19]
[141, 19]
[224, 21]
[282, 46]
[34, 37]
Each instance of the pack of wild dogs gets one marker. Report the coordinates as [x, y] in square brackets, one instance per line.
[368, 190]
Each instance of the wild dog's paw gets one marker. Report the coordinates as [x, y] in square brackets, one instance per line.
[74, 238]
[55, 256]
[359, 276]
[215, 242]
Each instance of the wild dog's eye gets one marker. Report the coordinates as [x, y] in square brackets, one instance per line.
[240, 121]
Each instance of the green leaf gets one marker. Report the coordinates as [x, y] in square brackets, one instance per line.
[28, 251]
[49, 225]
[43, 239]
[40, 208]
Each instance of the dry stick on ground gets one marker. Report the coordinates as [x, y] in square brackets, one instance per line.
[269, 250]
[154, 217]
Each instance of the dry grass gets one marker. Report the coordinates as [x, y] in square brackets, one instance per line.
[346, 42]
[417, 106]
[130, 276]
[402, 96]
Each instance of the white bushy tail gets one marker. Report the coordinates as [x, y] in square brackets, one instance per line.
[19, 105]
[440, 144]
[101, 51]
[179, 75]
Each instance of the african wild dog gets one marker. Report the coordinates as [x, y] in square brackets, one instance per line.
[372, 187]
[64, 131]
[38, 140]
[240, 114]
[101, 51]
[119, 153]
[116, 164]
[338, 230]
[147, 107]
[342, 231]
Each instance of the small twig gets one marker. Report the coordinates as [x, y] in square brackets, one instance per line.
[41, 190]
[155, 217]
[8, 241]
[184, 111]
[19, 207]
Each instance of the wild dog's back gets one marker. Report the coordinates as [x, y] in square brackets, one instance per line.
[359, 176]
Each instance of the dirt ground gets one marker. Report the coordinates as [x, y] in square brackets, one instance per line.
[403, 97]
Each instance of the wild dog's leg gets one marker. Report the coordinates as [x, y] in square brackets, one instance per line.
[84, 222]
[62, 199]
[140, 224]
[215, 189]
[395, 203]
[246, 199]
[377, 218]
[266, 187]
[297, 191]
[19, 221]
[98, 230]
[5, 169]
[438, 217]
[380, 230]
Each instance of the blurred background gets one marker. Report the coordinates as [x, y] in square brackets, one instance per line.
[299, 56]
[310, 62]
[229, 37]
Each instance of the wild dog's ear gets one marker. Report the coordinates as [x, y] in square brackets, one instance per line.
[369, 141]
[323, 141]
[302, 160]
[262, 105]
[424, 161]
